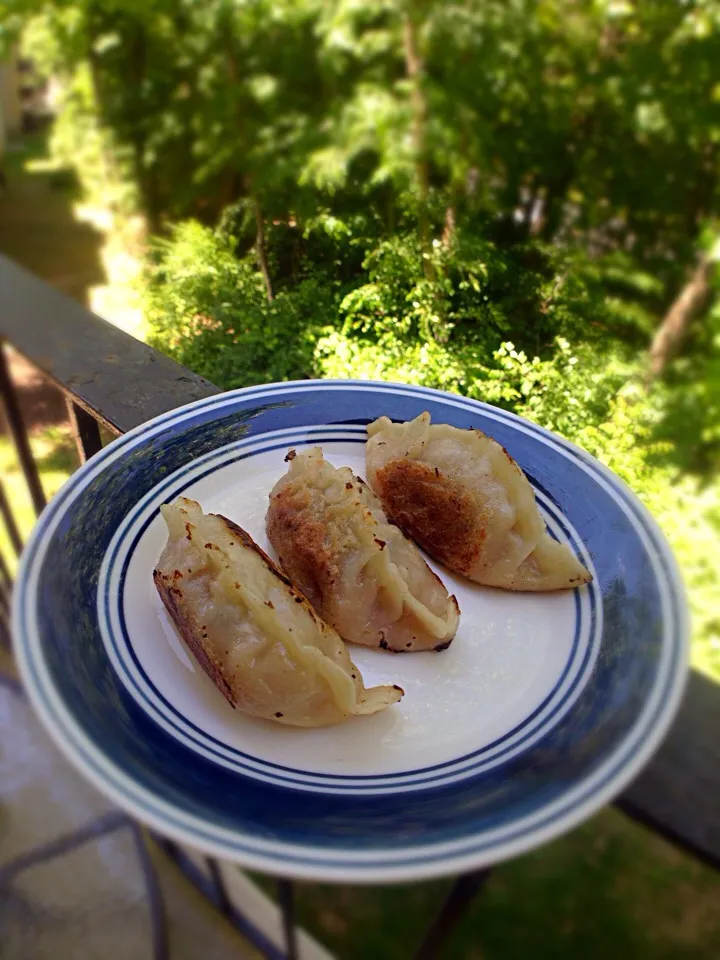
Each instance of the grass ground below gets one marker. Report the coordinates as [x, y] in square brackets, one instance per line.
[608, 889]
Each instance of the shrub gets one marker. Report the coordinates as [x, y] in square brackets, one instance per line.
[209, 311]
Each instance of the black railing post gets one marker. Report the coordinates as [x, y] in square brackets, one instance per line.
[286, 898]
[19, 434]
[85, 430]
[463, 891]
[9, 520]
[156, 900]
[222, 900]
[5, 592]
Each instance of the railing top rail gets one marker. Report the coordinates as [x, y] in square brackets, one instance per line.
[119, 380]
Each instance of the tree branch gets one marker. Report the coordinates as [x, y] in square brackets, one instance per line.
[260, 248]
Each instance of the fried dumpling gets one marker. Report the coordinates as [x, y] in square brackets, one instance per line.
[462, 497]
[252, 632]
[360, 572]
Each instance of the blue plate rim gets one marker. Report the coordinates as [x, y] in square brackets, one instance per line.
[591, 793]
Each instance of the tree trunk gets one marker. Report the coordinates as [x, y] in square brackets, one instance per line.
[415, 68]
[260, 248]
[94, 27]
[674, 327]
[145, 175]
[390, 219]
[449, 229]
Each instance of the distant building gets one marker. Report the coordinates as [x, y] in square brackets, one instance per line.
[24, 100]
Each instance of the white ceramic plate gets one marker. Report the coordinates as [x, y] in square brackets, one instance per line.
[541, 710]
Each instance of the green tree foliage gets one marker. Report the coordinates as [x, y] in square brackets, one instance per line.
[516, 200]
[203, 303]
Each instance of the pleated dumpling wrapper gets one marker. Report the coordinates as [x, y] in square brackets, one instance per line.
[360, 572]
[252, 632]
[462, 497]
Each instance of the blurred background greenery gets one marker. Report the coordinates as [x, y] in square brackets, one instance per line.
[516, 200]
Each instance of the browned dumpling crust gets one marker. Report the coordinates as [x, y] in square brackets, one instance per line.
[360, 572]
[463, 498]
[254, 633]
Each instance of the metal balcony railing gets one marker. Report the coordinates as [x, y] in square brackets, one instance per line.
[113, 381]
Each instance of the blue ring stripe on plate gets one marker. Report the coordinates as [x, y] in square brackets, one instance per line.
[283, 856]
[199, 828]
[503, 418]
[222, 454]
[639, 740]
